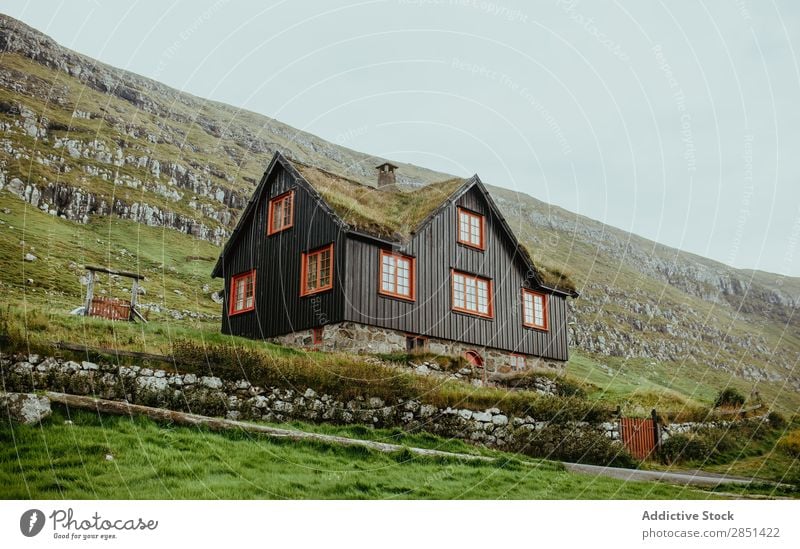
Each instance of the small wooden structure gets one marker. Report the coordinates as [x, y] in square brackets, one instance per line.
[111, 307]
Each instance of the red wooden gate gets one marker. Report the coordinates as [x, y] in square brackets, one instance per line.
[110, 308]
[638, 435]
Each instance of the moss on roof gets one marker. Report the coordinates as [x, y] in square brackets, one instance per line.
[389, 213]
[550, 275]
[397, 212]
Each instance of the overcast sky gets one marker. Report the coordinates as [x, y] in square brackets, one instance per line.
[678, 121]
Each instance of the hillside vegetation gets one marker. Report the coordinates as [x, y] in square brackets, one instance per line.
[103, 166]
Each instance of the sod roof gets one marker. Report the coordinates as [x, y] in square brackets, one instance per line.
[393, 213]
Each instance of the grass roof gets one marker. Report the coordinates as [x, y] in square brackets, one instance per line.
[389, 213]
[395, 213]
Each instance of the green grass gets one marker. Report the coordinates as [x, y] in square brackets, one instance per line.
[154, 461]
[169, 260]
[677, 391]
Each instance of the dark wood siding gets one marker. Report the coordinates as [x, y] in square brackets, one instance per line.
[276, 258]
[437, 252]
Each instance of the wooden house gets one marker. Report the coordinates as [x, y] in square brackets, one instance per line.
[320, 260]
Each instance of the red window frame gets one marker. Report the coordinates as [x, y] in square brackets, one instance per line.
[232, 310]
[412, 282]
[489, 297]
[545, 322]
[305, 260]
[515, 359]
[316, 335]
[281, 200]
[481, 245]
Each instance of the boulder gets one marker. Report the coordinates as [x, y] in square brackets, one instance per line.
[25, 408]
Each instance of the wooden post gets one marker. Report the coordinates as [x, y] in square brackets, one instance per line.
[656, 430]
[134, 294]
[89, 293]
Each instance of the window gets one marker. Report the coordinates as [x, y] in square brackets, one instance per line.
[472, 294]
[243, 293]
[474, 358]
[281, 213]
[397, 275]
[470, 229]
[416, 344]
[534, 309]
[316, 335]
[517, 362]
[316, 271]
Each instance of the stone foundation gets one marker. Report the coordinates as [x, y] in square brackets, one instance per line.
[357, 338]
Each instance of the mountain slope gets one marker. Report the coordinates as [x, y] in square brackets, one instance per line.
[82, 140]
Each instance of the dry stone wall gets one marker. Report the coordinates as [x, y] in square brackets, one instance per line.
[209, 395]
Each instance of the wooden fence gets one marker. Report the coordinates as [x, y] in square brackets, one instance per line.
[110, 308]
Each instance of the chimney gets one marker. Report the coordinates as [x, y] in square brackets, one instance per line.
[386, 177]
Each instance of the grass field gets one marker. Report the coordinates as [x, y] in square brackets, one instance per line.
[60, 460]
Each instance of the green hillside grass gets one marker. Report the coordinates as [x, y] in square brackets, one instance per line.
[168, 259]
[155, 461]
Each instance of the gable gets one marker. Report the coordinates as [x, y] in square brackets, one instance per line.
[259, 198]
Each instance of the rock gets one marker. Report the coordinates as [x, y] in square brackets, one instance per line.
[283, 407]
[16, 186]
[109, 457]
[465, 414]
[89, 365]
[29, 257]
[25, 408]
[500, 419]
[189, 379]
[216, 297]
[211, 382]
[483, 417]
[310, 393]
[427, 410]
[156, 384]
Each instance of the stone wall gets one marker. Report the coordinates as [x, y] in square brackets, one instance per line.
[240, 399]
[360, 338]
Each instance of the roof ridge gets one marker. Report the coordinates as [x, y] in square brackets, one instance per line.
[328, 172]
